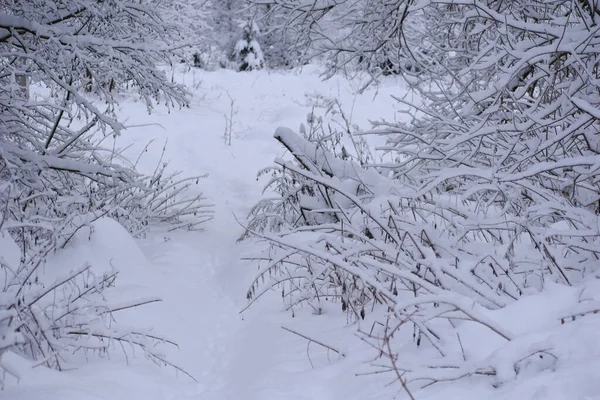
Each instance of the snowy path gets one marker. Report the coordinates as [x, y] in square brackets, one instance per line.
[200, 275]
[203, 281]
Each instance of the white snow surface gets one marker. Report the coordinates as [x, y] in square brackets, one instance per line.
[202, 277]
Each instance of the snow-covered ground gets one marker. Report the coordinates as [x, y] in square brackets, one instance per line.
[202, 277]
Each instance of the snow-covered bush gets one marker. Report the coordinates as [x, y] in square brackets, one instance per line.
[247, 52]
[59, 171]
[494, 191]
[330, 128]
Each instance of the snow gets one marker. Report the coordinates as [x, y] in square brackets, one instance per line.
[202, 279]
[10, 251]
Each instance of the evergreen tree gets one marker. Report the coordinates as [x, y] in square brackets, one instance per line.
[248, 53]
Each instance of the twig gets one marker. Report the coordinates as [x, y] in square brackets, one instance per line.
[393, 361]
[315, 341]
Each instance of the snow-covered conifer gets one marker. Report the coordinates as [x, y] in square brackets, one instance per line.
[247, 52]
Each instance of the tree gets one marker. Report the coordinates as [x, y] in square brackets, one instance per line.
[247, 51]
[191, 18]
[229, 35]
[281, 48]
[494, 191]
[223, 29]
[58, 175]
[369, 35]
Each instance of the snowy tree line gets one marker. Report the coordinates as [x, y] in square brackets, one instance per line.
[239, 35]
[365, 35]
